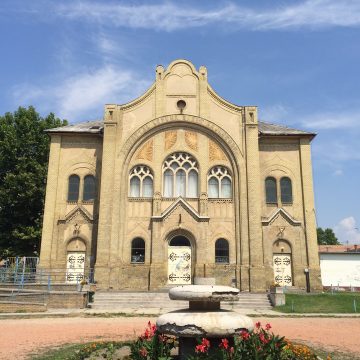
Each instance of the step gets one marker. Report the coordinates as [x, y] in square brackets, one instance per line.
[122, 299]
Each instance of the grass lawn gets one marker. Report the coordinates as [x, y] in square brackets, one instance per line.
[321, 303]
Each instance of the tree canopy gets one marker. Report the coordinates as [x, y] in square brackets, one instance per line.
[326, 237]
[24, 150]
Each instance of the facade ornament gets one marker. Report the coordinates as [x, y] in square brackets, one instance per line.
[146, 152]
[76, 231]
[170, 139]
[204, 204]
[191, 140]
[215, 153]
[280, 234]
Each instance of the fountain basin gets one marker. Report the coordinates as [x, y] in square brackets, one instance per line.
[187, 323]
[209, 293]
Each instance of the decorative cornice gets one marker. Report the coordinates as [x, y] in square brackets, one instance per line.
[180, 201]
[79, 209]
[268, 221]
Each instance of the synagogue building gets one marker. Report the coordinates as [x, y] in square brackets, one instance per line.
[176, 184]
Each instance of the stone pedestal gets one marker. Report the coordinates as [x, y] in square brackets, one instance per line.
[203, 318]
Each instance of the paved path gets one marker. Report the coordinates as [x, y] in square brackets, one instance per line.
[21, 337]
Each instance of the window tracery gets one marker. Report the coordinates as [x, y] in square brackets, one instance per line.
[219, 183]
[141, 181]
[180, 176]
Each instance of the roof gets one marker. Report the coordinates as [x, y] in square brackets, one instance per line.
[275, 129]
[323, 249]
[96, 127]
[89, 127]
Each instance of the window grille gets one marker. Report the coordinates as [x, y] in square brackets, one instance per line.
[270, 189]
[286, 190]
[138, 250]
[73, 190]
[89, 188]
[221, 251]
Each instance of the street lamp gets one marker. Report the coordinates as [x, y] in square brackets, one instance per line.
[307, 276]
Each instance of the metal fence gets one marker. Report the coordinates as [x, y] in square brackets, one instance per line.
[21, 271]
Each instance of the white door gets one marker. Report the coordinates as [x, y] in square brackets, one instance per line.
[179, 265]
[282, 269]
[75, 267]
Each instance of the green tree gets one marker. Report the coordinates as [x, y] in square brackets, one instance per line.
[24, 150]
[326, 237]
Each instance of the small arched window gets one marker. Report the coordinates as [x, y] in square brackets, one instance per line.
[219, 183]
[270, 189]
[89, 188]
[286, 190]
[180, 176]
[138, 250]
[141, 181]
[221, 251]
[73, 190]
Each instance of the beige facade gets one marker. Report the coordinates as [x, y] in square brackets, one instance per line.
[180, 167]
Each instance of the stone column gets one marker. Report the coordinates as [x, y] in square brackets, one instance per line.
[309, 214]
[102, 270]
[50, 202]
[257, 275]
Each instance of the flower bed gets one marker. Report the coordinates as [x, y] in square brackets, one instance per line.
[259, 344]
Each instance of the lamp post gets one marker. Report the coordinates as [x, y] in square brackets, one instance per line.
[307, 276]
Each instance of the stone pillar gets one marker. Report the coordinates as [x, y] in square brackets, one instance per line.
[102, 270]
[159, 92]
[257, 272]
[203, 93]
[309, 214]
[50, 202]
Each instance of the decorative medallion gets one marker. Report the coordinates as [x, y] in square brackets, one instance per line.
[146, 152]
[191, 140]
[170, 139]
[215, 153]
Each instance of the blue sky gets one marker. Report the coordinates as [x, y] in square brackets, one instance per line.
[298, 61]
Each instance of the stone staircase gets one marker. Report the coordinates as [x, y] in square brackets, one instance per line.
[118, 301]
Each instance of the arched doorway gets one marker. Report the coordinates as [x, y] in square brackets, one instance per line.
[282, 263]
[179, 261]
[75, 261]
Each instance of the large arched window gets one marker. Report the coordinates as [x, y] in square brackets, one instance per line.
[286, 190]
[221, 251]
[89, 188]
[73, 190]
[180, 176]
[270, 189]
[219, 183]
[138, 250]
[141, 181]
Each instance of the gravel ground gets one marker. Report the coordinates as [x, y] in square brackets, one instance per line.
[20, 338]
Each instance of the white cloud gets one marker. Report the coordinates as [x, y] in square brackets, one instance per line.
[333, 120]
[84, 94]
[347, 231]
[169, 16]
[338, 172]
[274, 113]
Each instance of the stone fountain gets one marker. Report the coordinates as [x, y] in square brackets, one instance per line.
[203, 318]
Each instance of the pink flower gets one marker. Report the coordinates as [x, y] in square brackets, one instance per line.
[224, 343]
[205, 342]
[143, 352]
[244, 334]
[267, 327]
[258, 325]
[200, 348]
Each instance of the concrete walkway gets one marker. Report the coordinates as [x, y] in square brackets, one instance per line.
[155, 312]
